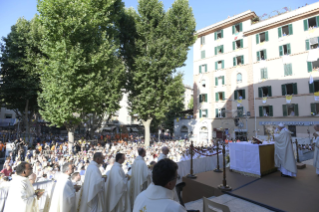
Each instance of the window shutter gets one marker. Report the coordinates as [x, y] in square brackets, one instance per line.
[290, 29]
[200, 69]
[266, 36]
[294, 88]
[216, 113]
[242, 60]
[223, 94]
[223, 80]
[233, 28]
[283, 90]
[281, 52]
[270, 111]
[222, 48]
[307, 45]
[233, 45]
[244, 94]
[313, 108]
[260, 111]
[234, 61]
[286, 69]
[216, 81]
[269, 91]
[200, 113]
[203, 40]
[258, 56]
[206, 113]
[260, 92]
[216, 97]
[235, 95]
[265, 73]
[216, 50]
[309, 64]
[288, 48]
[240, 111]
[311, 88]
[222, 33]
[206, 98]
[242, 43]
[290, 69]
[296, 110]
[317, 20]
[240, 27]
[284, 110]
[305, 25]
[257, 39]
[215, 35]
[216, 65]
[265, 55]
[203, 54]
[205, 67]
[223, 64]
[279, 32]
[262, 73]
[223, 112]
[200, 98]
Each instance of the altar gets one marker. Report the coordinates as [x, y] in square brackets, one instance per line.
[252, 159]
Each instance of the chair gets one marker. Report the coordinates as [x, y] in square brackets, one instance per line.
[207, 203]
[179, 188]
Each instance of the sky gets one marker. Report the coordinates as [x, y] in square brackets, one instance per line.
[206, 12]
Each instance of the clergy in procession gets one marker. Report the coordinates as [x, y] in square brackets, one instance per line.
[117, 195]
[164, 153]
[92, 193]
[316, 154]
[64, 193]
[140, 177]
[21, 196]
[159, 196]
[284, 154]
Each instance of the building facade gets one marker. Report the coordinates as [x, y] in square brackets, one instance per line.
[188, 96]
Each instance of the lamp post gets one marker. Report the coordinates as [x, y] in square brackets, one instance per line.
[217, 169]
[191, 174]
[224, 186]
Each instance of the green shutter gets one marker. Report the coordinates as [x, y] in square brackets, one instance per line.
[317, 20]
[286, 69]
[260, 111]
[206, 100]
[279, 32]
[205, 67]
[309, 64]
[234, 45]
[266, 36]
[216, 113]
[288, 48]
[223, 64]
[242, 43]
[222, 33]
[206, 113]
[234, 61]
[235, 95]
[223, 80]
[265, 55]
[222, 48]
[242, 60]
[216, 65]
[215, 34]
[305, 25]
[290, 69]
[216, 81]
[216, 97]
[270, 111]
[203, 54]
[200, 113]
[281, 52]
[312, 87]
[240, 111]
[283, 90]
[200, 69]
[269, 91]
[200, 98]
[307, 45]
[313, 108]
[216, 50]
[290, 29]
[233, 28]
[258, 56]
[294, 88]
[244, 94]
[296, 110]
[284, 110]
[240, 27]
[265, 73]
[260, 92]
[257, 39]
[223, 94]
[262, 74]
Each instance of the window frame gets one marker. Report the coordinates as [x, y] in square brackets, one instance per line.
[285, 110]
[261, 92]
[202, 40]
[221, 112]
[270, 111]
[241, 76]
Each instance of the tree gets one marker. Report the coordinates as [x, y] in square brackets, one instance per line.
[82, 73]
[152, 53]
[191, 103]
[21, 84]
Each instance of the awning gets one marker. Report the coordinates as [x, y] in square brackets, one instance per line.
[108, 128]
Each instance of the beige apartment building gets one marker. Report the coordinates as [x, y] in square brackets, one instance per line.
[257, 73]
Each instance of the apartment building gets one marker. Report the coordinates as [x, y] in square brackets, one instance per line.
[188, 95]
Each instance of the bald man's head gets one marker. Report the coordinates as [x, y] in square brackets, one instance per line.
[32, 178]
[165, 150]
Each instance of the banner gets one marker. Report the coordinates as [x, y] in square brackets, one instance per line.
[288, 98]
[177, 119]
[316, 95]
[239, 101]
[264, 99]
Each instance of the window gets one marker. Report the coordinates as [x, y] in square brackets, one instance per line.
[222, 79]
[237, 28]
[203, 55]
[314, 109]
[239, 60]
[203, 113]
[203, 84]
[285, 30]
[239, 94]
[238, 44]
[314, 87]
[202, 40]
[265, 111]
[220, 96]
[220, 113]
[313, 66]
[292, 128]
[290, 110]
[219, 49]
[219, 65]
[8, 116]
[289, 89]
[262, 55]
[219, 34]
[312, 43]
[284, 50]
[288, 69]
[263, 73]
[240, 111]
[239, 78]
[203, 98]
[202, 68]
[264, 91]
[262, 37]
[311, 23]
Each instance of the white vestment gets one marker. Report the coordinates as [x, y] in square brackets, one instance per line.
[21, 196]
[64, 195]
[92, 199]
[117, 195]
[161, 157]
[157, 199]
[284, 154]
[140, 178]
[316, 155]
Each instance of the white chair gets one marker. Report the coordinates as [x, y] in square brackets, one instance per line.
[207, 203]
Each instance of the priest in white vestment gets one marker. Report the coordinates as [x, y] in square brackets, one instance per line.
[21, 196]
[159, 196]
[92, 192]
[117, 195]
[284, 154]
[163, 155]
[316, 153]
[64, 193]
[140, 177]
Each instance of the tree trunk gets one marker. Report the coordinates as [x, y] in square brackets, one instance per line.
[26, 121]
[70, 139]
[147, 125]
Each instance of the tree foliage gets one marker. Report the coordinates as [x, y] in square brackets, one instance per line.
[190, 103]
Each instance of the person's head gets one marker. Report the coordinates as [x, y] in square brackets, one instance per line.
[152, 164]
[32, 178]
[316, 127]
[141, 152]
[67, 168]
[120, 158]
[165, 173]
[76, 177]
[98, 158]
[8, 167]
[165, 150]
[281, 126]
[24, 169]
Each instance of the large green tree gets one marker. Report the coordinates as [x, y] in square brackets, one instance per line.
[82, 73]
[158, 44]
[20, 51]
